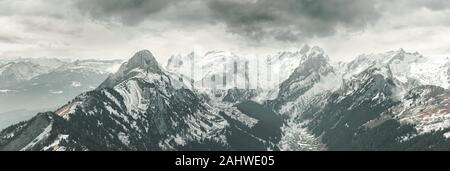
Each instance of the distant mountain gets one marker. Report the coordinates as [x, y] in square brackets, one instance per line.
[410, 69]
[58, 83]
[224, 74]
[16, 71]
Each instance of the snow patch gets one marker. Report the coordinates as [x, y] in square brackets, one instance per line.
[56, 92]
[297, 138]
[111, 97]
[55, 146]
[124, 138]
[76, 84]
[179, 140]
[447, 135]
[6, 91]
[132, 94]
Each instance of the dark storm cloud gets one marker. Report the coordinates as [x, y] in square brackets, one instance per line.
[289, 20]
[435, 4]
[286, 20]
[129, 12]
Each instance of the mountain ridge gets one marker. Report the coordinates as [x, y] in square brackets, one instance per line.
[387, 101]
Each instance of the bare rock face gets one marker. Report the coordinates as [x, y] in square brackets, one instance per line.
[142, 61]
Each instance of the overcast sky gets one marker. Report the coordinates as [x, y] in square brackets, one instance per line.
[118, 28]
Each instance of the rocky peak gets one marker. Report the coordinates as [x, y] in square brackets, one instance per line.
[142, 61]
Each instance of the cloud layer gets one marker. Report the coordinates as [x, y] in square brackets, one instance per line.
[290, 20]
[282, 20]
[130, 12]
[78, 27]
[285, 20]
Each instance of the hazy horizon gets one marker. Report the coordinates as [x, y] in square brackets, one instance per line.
[164, 59]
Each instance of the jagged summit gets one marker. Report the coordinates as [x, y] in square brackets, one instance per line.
[315, 54]
[142, 61]
[316, 50]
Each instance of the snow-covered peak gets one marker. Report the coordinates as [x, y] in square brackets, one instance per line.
[407, 68]
[317, 54]
[226, 70]
[199, 67]
[300, 54]
[316, 51]
[297, 57]
[387, 58]
[215, 58]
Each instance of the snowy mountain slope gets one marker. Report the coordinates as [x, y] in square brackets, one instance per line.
[313, 77]
[135, 109]
[263, 77]
[308, 82]
[307, 87]
[140, 107]
[390, 101]
[368, 94]
[361, 99]
[226, 71]
[412, 69]
[375, 110]
[213, 73]
[418, 122]
[425, 107]
[203, 68]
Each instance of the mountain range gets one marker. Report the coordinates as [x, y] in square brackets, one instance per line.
[38, 84]
[222, 101]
